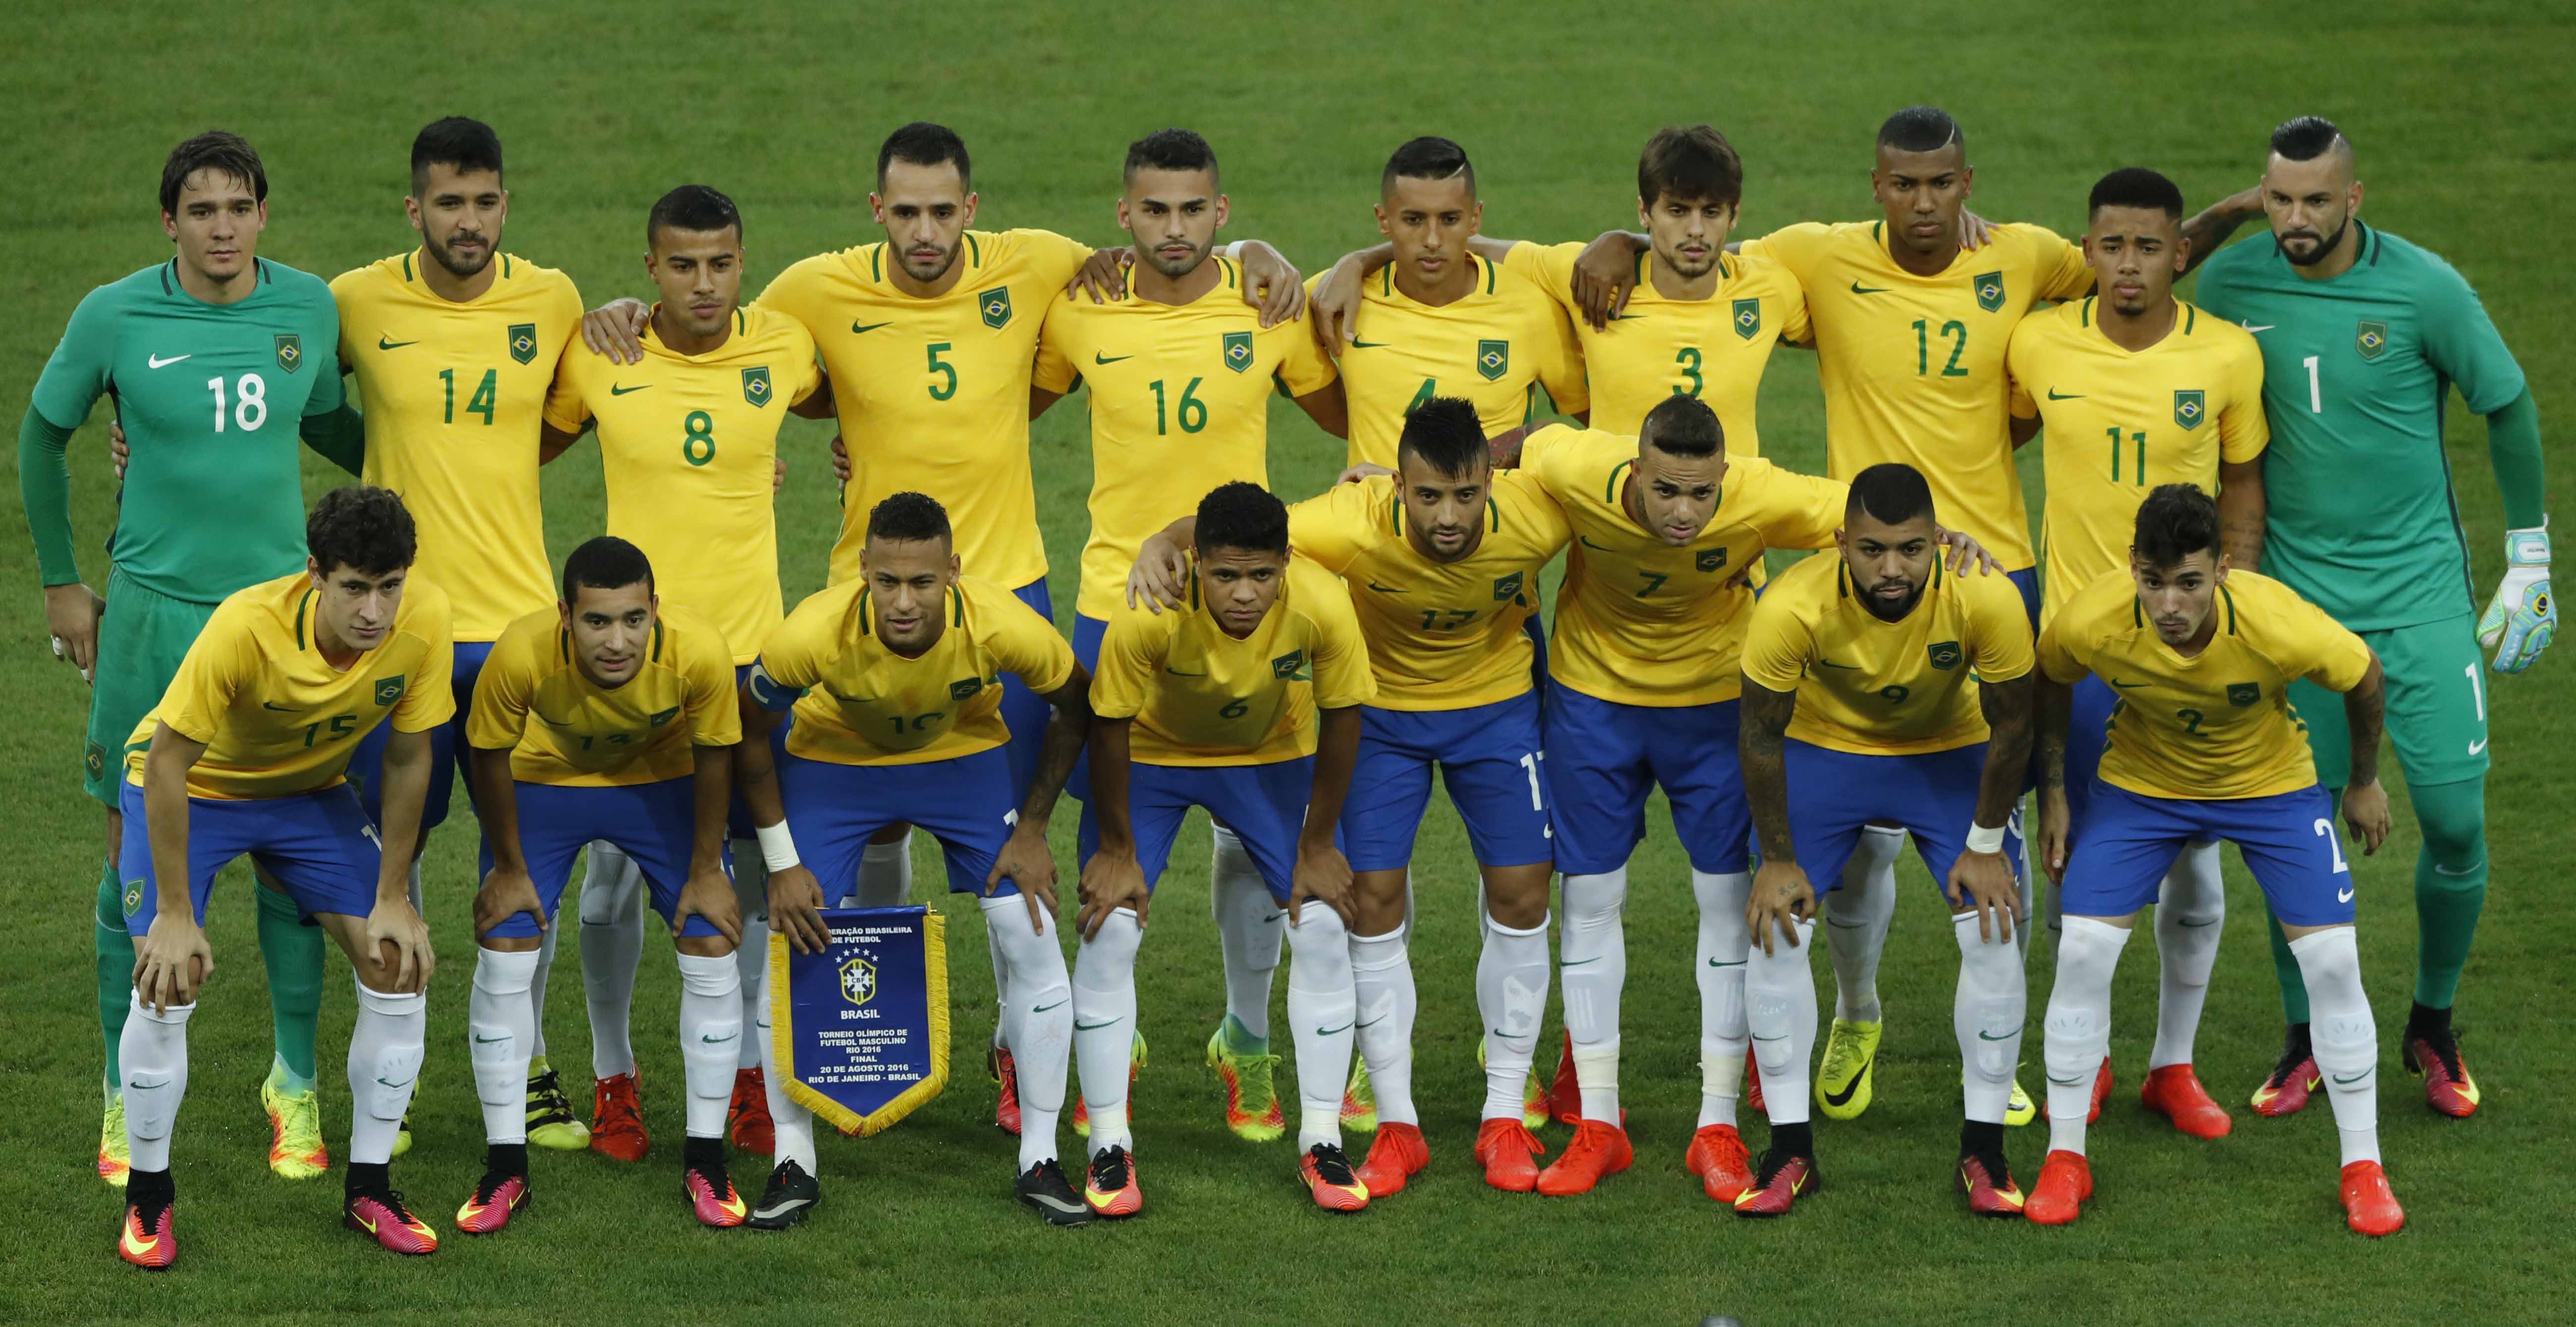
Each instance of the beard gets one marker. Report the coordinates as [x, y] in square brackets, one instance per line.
[462, 267]
[2324, 247]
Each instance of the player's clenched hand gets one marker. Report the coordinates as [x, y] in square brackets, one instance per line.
[1271, 283]
[1103, 275]
[1324, 875]
[1986, 880]
[796, 909]
[1781, 899]
[1160, 577]
[709, 894]
[172, 962]
[71, 614]
[1965, 553]
[1604, 275]
[2053, 817]
[616, 329]
[392, 922]
[1336, 304]
[840, 458]
[1026, 861]
[1110, 881]
[117, 452]
[504, 893]
[2365, 809]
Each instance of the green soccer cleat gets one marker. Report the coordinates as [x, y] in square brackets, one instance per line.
[1359, 1101]
[1082, 1109]
[1534, 1114]
[295, 1148]
[1251, 1092]
[114, 1162]
[1843, 1084]
[551, 1123]
[2022, 1110]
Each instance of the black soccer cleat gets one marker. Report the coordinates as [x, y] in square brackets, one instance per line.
[1044, 1189]
[791, 1195]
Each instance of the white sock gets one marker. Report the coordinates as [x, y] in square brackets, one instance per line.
[154, 1054]
[1041, 1020]
[1250, 925]
[1322, 1009]
[2345, 1038]
[2188, 919]
[751, 958]
[2078, 1030]
[501, 1020]
[710, 1038]
[384, 1066]
[1780, 1013]
[792, 1124]
[1987, 1015]
[1104, 1021]
[536, 1038]
[1001, 988]
[1719, 967]
[1857, 915]
[1511, 996]
[1592, 955]
[612, 943]
[885, 875]
[1382, 981]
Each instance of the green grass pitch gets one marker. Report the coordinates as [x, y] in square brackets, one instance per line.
[2463, 147]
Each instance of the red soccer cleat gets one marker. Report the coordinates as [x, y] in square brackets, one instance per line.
[2368, 1206]
[1330, 1179]
[1783, 1181]
[497, 1198]
[1564, 1092]
[1006, 1108]
[1109, 1186]
[1596, 1150]
[150, 1244]
[2175, 1093]
[617, 1120]
[711, 1198]
[2286, 1091]
[2065, 1181]
[1394, 1156]
[2447, 1085]
[1753, 1083]
[1509, 1153]
[1989, 1186]
[380, 1213]
[2101, 1093]
[1718, 1157]
[747, 1119]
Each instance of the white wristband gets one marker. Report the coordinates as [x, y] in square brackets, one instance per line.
[1980, 838]
[777, 847]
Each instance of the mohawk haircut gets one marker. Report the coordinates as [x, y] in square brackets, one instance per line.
[1694, 165]
[1445, 434]
[1170, 149]
[693, 207]
[2138, 187]
[361, 527]
[1428, 158]
[2176, 521]
[908, 516]
[1683, 426]
[468, 145]
[2307, 138]
[605, 563]
[216, 150]
[922, 143]
[1244, 516]
[1892, 492]
[1921, 129]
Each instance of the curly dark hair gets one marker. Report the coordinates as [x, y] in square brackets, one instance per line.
[908, 516]
[362, 527]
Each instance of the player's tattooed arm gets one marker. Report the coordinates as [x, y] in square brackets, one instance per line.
[2056, 710]
[2209, 229]
[2241, 514]
[172, 959]
[1981, 878]
[1025, 859]
[1112, 879]
[2365, 802]
[1781, 894]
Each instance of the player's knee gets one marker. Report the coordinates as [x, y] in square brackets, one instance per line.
[2453, 818]
[1517, 899]
[1319, 944]
[704, 946]
[1595, 900]
[1107, 960]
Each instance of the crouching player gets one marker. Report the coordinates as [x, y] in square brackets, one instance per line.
[2203, 744]
[632, 745]
[244, 756]
[895, 678]
[1858, 708]
[1217, 704]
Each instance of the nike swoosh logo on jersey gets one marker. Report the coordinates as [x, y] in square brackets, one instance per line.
[2265, 327]
[159, 363]
[385, 343]
[2125, 685]
[273, 705]
[1369, 345]
[2070, 396]
[2343, 896]
[1178, 673]
[2477, 746]
[1859, 289]
[1853, 668]
[620, 389]
[1386, 589]
[1098, 358]
[857, 326]
[1045, 1007]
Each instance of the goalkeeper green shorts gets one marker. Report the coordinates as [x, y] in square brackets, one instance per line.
[2437, 705]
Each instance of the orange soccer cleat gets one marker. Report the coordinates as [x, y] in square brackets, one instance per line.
[2368, 1206]
[1330, 1181]
[2065, 1181]
[2285, 1090]
[747, 1120]
[145, 1239]
[498, 1196]
[1783, 1181]
[2174, 1092]
[1718, 1157]
[1109, 1186]
[1564, 1091]
[2435, 1058]
[1509, 1153]
[1006, 1107]
[1988, 1182]
[1395, 1156]
[1596, 1150]
[617, 1120]
[710, 1193]
[379, 1213]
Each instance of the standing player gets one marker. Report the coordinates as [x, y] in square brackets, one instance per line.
[453, 345]
[1180, 375]
[1858, 710]
[1440, 559]
[898, 721]
[2204, 745]
[635, 727]
[688, 437]
[2137, 389]
[1246, 703]
[244, 756]
[205, 354]
[2363, 336]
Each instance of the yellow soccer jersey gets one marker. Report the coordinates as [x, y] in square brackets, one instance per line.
[1639, 621]
[933, 393]
[455, 399]
[1713, 349]
[2219, 725]
[1180, 403]
[1495, 347]
[277, 719]
[688, 444]
[1912, 366]
[2117, 423]
[1201, 697]
[1441, 635]
[588, 736]
[863, 704]
[1886, 688]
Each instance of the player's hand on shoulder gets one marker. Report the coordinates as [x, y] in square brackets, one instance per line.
[1103, 276]
[1965, 552]
[1271, 283]
[1157, 581]
[2365, 809]
[1335, 303]
[1781, 898]
[616, 329]
[71, 617]
[796, 909]
[1975, 232]
[172, 962]
[1605, 274]
[1110, 881]
[1364, 470]
[504, 893]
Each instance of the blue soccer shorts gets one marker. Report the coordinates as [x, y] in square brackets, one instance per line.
[1603, 757]
[320, 845]
[964, 802]
[654, 824]
[2127, 841]
[1833, 795]
[1265, 806]
[1492, 762]
[367, 762]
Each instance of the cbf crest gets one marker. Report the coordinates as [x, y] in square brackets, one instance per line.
[2244, 693]
[2188, 409]
[1493, 359]
[1748, 318]
[859, 981]
[755, 385]
[1990, 290]
[1291, 667]
[1506, 587]
[1710, 559]
[290, 351]
[523, 342]
[1238, 351]
[2370, 338]
[388, 690]
[1944, 653]
[995, 305]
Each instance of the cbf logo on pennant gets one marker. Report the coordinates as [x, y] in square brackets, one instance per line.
[859, 1032]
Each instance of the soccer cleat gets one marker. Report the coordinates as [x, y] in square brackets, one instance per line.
[1109, 1187]
[1043, 1188]
[1082, 1109]
[747, 1120]
[1330, 1181]
[2020, 1110]
[114, 1162]
[147, 1241]
[1394, 1157]
[498, 1196]
[1533, 1097]
[1843, 1082]
[2447, 1085]
[1598, 1149]
[2101, 1093]
[791, 1195]
[402, 1137]
[381, 1214]
[2174, 1092]
[1718, 1157]
[295, 1148]
[1359, 1101]
[2285, 1091]
[1006, 1107]
[1509, 1153]
[709, 1191]
[551, 1123]
[1251, 1093]
[1565, 1091]
[1988, 1182]
[2065, 1181]
[1783, 1181]
[1753, 1084]
[617, 1120]
[2368, 1206]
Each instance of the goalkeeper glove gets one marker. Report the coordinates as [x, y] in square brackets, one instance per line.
[2522, 619]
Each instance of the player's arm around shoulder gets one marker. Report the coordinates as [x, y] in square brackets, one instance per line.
[1133, 645]
[1341, 660]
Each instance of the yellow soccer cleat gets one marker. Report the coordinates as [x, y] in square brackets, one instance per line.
[2022, 1110]
[295, 1149]
[1359, 1100]
[113, 1161]
[1251, 1092]
[1534, 1114]
[551, 1123]
[1843, 1084]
